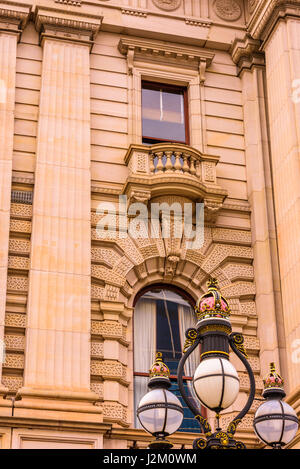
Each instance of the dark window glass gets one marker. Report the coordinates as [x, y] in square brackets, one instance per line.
[168, 340]
[164, 113]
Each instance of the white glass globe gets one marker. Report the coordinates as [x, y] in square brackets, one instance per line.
[160, 412]
[275, 422]
[216, 383]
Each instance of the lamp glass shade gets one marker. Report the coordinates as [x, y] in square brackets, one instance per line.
[216, 383]
[275, 422]
[160, 412]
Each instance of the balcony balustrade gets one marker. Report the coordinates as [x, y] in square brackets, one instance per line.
[173, 169]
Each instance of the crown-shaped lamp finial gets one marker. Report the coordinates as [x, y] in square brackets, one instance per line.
[212, 304]
[273, 382]
[159, 372]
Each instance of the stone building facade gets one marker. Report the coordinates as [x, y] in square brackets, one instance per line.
[71, 80]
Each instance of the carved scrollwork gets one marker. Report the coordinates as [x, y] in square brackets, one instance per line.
[238, 341]
[191, 335]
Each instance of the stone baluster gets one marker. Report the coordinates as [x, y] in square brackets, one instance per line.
[152, 165]
[177, 164]
[192, 166]
[168, 165]
[159, 166]
[185, 166]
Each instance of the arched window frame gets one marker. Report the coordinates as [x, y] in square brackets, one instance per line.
[184, 295]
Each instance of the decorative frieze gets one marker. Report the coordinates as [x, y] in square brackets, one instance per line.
[15, 320]
[107, 329]
[14, 360]
[18, 263]
[115, 412]
[19, 246]
[20, 226]
[21, 210]
[109, 369]
[14, 342]
[17, 283]
[12, 383]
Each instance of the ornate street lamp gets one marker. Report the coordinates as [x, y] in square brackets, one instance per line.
[160, 412]
[275, 422]
[216, 384]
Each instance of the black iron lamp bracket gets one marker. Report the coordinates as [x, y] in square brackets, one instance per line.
[215, 340]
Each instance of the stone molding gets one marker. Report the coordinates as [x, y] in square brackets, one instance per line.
[14, 16]
[267, 13]
[154, 51]
[66, 25]
[246, 53]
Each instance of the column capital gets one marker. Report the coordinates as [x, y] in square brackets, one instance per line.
[246, 53]
[66, 25]
[13, 16]
[266, 14]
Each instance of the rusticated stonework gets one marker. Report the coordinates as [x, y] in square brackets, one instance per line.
[71, 138]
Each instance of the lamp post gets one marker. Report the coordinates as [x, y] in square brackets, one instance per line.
[160, 411]
[275, 422]
[216, 384]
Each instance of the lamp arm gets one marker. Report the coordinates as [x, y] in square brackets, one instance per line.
[197, 412]
[236, 341]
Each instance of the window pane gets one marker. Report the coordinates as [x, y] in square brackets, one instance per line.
[189, 423]
[167, 333]
[163, 114]
[160, 320]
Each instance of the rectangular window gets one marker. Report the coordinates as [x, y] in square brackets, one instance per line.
[164, 113]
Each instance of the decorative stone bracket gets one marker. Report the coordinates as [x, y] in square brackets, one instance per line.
[174, 169]
[246, 53]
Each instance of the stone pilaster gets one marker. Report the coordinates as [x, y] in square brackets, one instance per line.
[277, 24]
[251, 69]
[12, 19]
[58, 327]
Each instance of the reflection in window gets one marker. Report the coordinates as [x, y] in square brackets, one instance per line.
[163, 113]
[161, 318]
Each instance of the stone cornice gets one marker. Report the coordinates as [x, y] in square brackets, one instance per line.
[13, 16]
[146, 49]
[267, 13]
[246, 53]
[66, 25]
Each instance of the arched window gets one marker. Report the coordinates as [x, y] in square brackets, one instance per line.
[161, 317]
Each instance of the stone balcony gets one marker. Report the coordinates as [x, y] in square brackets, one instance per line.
[173, 169]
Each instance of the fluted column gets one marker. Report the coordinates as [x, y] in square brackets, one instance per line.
[251, 69]
[12, 19]
[277, 24]
[283, 69]
[58, 327]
